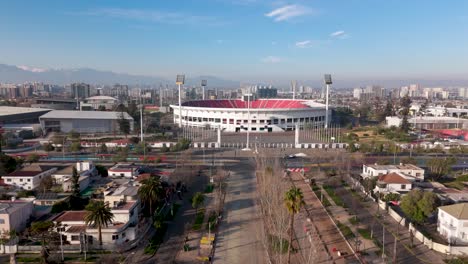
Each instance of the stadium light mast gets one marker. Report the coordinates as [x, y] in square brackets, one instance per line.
[141, 119]
[293, 86]
[328, 82]
[203, 85]
[247, 148]
[180, 81]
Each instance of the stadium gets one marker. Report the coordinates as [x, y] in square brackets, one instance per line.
[265, 115]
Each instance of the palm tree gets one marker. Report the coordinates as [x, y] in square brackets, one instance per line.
[150, 191]
[98, 214]
[293, 200]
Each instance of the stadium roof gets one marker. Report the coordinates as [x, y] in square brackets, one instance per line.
[12, 110]
[65, 114]
[256, 104]
[101, 97]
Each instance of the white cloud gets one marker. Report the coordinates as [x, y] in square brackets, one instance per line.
[271, 59]
[289, 11]
[31, 69]
[339, 34]
[153, 16]
[305, 44]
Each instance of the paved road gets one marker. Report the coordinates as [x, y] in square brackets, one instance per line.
[239, 238]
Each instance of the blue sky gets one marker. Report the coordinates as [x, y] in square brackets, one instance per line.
[241, 39]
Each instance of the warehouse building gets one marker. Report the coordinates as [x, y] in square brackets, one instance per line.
[83, 121]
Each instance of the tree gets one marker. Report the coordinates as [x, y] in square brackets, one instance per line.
[141, 148]
[7, 164]
[103, 148]
[31, 158]
[369, 184]
[101, 108]
[419, 205]
[294, 200]
[150, 191]
[46, 183]
[98, 215]
[391, 197]
[124, 124]
[75, 183]
[73, 134]
[75, 146]
[48, 147]
[405, 104]
[43, 230]
[439, 167]
[197, 200]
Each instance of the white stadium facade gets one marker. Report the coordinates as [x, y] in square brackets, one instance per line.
[265, 115]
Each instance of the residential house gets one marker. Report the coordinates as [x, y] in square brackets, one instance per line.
[116, 195]
[29, 178]
[124, 170]
[14, 215]
[85, 169]
[49, 198]
[124, 228]
[452, 222]
[409, 171]
[392, 183]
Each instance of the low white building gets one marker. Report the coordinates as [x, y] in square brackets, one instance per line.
[124, 170]
[124, 228]
[116, 195]
[94, 102]
[392, 183]
[452, 222]
[85, 169]
[429, 122]
[28, 178]
[409, 171]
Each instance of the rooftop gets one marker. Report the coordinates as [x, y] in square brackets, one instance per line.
[8, 206]
[255, 104]
[69, 216]
[122, 190]
[11, 110]
[393, 178]
[394, 167]
[68, 114]
[101, 97]
[22, 173]
[459, 211]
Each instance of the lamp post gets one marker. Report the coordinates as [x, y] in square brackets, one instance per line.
[247, 148]
[328, 82]
[203, 85]
[180, 80]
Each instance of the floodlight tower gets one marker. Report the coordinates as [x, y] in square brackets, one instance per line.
[293, 86]
[203, 85]
[180, 81]
[328, 82]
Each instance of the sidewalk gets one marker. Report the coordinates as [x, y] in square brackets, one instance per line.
[328, 239]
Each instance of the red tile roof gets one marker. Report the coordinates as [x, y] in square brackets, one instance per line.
[23, 174]
[71, 216]
[394, 178]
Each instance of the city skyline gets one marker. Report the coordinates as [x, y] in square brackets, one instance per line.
[251, 40]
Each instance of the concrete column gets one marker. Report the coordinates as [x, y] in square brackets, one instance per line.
[296, 139]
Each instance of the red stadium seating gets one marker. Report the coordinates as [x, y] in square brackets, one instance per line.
[257, 104]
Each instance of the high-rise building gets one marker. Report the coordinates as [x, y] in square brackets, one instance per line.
[80, 90]
[266, 92]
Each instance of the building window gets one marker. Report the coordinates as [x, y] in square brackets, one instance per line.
[403, 186]
[75, 238]
[29, 180]
[115, 237]
[2, 221]
[123, 235]
[8, 180]
[21, 180]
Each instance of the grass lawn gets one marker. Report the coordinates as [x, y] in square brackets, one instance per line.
[331, 191]
[365, 233]
[345, 230]
[278, 245]
[354, 220]
[209, 188]
[318, 192]
[199, 219]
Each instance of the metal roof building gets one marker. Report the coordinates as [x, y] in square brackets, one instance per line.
[20, 115]
[83, 121]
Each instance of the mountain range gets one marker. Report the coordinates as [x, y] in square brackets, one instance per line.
[21, 74]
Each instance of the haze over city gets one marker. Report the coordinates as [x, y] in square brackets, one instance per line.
[242, 40]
